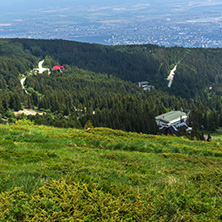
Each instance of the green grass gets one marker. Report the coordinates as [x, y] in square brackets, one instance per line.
[53, 174]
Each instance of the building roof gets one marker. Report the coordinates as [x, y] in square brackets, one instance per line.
[58, 68]
[143, 83]
[168, 117]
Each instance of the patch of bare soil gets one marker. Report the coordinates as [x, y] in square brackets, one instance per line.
[28, 112]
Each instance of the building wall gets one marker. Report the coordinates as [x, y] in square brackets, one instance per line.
[173, 122]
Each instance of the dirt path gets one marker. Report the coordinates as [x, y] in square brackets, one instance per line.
[171, 76]
[22, 81]
[41, 69]
[29, 112]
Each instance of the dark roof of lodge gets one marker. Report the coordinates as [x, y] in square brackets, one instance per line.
[168, 117]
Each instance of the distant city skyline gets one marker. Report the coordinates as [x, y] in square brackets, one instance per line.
[183, 23]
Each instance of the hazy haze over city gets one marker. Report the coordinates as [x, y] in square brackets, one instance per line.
[183, 23]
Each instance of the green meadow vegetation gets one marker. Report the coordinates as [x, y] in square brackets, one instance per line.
[101, 174]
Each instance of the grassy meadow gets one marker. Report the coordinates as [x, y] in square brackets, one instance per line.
[54, 174]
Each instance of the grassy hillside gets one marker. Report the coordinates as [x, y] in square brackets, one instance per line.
[54, 174]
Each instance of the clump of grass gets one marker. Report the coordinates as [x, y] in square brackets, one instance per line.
[174, 149]
[120, 146]
[158, 150]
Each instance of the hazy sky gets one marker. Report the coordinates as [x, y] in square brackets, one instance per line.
[51, 3]
[22, 9]
[23, 6]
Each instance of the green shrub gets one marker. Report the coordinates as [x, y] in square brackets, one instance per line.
[67, 201]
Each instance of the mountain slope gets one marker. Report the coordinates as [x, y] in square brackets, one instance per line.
[198, 69]
[99, 83]
[102, 174]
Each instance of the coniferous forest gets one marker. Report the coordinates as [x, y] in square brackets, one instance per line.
[99, 84]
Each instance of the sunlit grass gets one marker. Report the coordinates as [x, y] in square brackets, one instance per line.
[176, 177]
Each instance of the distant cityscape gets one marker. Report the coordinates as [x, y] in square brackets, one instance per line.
[112, 27]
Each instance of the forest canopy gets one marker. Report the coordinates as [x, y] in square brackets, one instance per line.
[99, 83]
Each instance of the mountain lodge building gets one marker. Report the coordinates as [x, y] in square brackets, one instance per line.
[172, 122]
